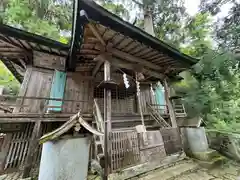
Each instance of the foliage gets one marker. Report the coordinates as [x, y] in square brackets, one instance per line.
[8, 81]
[44, 17]
[211, 88]
[116, 8]
[227, 27]
[168, 19]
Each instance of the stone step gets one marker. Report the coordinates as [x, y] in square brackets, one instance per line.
[206, 156]
[198, 175]
[215, 162]
[172, 172]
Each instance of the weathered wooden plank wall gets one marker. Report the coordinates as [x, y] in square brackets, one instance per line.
[78, 87]
[146, 96]
[123, 106]
[44, 60]
[37, 83]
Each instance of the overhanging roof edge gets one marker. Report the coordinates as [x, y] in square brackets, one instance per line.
[106, 18]
[24, 35]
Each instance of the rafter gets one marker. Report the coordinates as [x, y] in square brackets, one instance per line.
[96, 33]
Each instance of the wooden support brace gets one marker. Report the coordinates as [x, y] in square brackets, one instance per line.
[170, 105]
[103, 43]
[96, 68]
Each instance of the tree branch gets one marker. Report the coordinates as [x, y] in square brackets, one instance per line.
[138, 3]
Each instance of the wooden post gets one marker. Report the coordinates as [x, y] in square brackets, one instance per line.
[4, 150]
[139, 100]
[32, 147]
[170, 105]
[107, 120]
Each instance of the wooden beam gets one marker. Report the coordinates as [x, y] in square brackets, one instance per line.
[96, 68]
[38, 115]
[40, 98]
[125, 65]
[96, 33]
[18, 68]
[11, 45]
[23, 118]
[15, 54]
[5, 109]
[47, 120]
[89, 51]
[9, 49]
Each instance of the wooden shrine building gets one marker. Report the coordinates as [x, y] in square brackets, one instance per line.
[110, 71]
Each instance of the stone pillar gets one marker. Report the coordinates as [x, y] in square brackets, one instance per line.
[197, 139]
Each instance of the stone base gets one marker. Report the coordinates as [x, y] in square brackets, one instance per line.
[139, 170]
[206, 156]
[215, 162]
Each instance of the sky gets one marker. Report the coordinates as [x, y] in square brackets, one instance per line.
[192, 6]
[192, 9]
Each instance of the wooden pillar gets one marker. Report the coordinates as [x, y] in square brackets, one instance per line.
[4, 148]
[107, 120]
[32, 149]
[139, 100]
[170, 105]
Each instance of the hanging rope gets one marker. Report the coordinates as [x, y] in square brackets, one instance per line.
[137, 76]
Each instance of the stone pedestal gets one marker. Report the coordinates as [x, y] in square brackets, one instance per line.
[196, 139]
[65, 159]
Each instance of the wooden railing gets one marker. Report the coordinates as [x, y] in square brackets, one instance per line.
[179, 109]
[99, 120]
[163, 109]
[129, 149]
[30, 104]
[156, 115]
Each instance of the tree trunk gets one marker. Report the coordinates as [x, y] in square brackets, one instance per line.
[148, 21]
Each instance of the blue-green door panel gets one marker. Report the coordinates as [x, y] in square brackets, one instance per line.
[160, 96]
[57, 90]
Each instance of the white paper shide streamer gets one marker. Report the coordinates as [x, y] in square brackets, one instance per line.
[125, 80]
